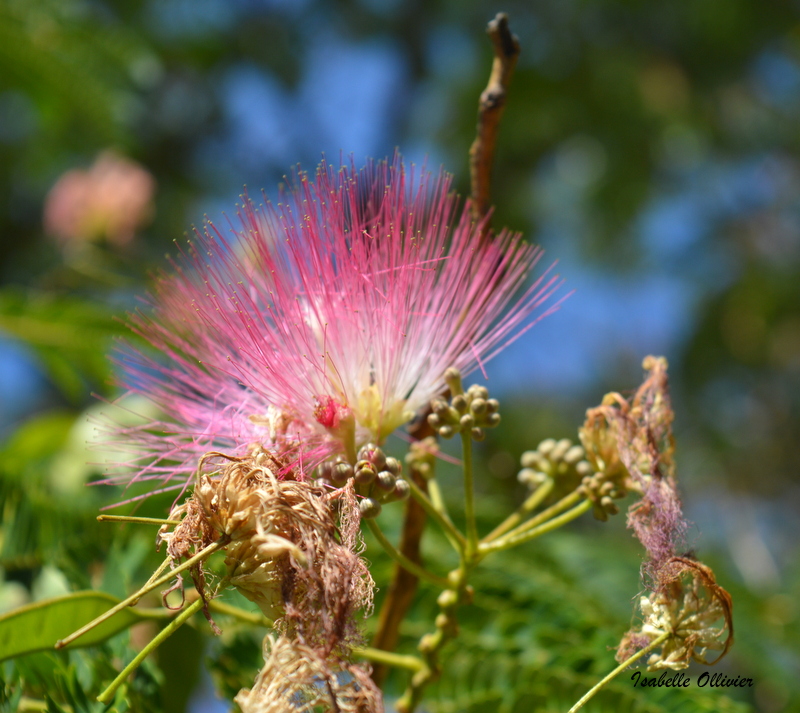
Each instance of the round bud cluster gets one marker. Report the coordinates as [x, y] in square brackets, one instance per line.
[468, 412]
[602, 491]
[421, 456]
[560, 461]
[376, 477]
[566, 464]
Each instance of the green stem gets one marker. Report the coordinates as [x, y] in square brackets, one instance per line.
[533, 501]
[435, 493]
[517, 538]
[443, 520]
[619, 669]
[549, 513]
[402, 560]
[140, 520]
[469, 495]
[246, 616]
[167, 631]
[135, 597]
[412, 663]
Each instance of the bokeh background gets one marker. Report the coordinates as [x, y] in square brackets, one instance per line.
[652, 148]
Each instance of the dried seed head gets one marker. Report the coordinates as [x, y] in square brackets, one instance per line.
[694, 609]
[301, 679]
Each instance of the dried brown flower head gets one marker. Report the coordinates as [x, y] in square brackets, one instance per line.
[297, 679]
[630, 441]
[694, 609]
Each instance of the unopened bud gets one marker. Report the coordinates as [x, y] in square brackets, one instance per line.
[446, 431]
[401, 490]
[374, 455]
[467, 422]
[447, 599]
[492, 405]
[478, 406]
[546, 446]
[393, 466]
[365, 472]
[370, 508]
[530, 459]
[584, 468]
[478, 434]
[478, 392]
[452, 378]
[459, 403]
[434, 421]
[574, 454]
[560, 449]
[440, 407]
[493, 419]
[385, 481]
[341, 473]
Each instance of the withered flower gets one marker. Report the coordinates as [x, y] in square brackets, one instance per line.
[693, 609]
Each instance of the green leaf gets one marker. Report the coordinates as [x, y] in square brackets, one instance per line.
[37, 627]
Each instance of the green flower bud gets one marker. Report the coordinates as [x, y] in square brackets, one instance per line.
[546, 446]
[459, 403]
[478, 406]
[446, 432]
[393, 466]
[365, 472]
[574, 454]
[401, 490]
[341, 473]
[370, 508]
[385, 481]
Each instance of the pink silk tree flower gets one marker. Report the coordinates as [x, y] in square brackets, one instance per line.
[109, 201]
[327, 320]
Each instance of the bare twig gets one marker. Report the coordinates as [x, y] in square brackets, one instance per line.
[490, 109]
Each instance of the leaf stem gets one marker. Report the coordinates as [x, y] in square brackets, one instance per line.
[141, 520]
[531, 503]
[619, 669]
[555, 509]
[469, 495]
[402, 560]
[167, 631]
[136, 596]
[443, 520]
[517, 538]
[412, 663]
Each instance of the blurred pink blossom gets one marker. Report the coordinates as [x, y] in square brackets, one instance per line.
[327, 320]
[109, 201]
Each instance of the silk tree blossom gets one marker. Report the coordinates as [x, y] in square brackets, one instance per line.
[328, 319]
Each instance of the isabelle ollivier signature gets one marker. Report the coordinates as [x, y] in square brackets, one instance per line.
[681, 680]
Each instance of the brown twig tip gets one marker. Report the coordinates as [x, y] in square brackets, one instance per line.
[490, 109]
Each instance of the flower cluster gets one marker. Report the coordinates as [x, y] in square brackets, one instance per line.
[323, 322]
[296, 344]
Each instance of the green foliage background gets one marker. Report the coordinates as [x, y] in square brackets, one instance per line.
[666, 94]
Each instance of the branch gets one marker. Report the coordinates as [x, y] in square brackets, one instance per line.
[490, 109]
